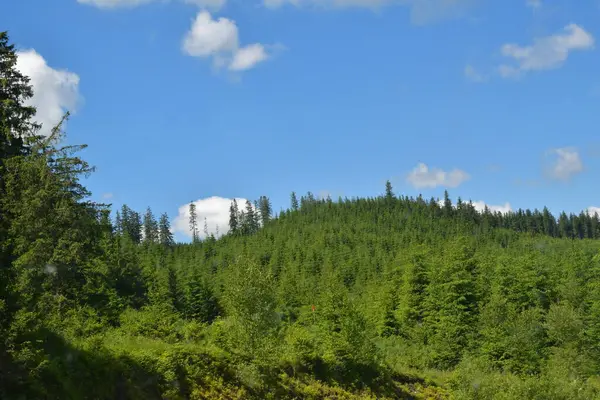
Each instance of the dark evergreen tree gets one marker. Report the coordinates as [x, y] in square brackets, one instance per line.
[205, 229]
[389, 193]
[265, 209]
[118, 223]
[150, 227]
[294, 201]
[250, 221]
[201, 303]
[165, 236]
[234, 224]
[194, 223]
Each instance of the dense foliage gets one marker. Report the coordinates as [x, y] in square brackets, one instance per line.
[385, 297]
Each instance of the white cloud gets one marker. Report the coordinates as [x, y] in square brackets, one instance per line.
[480, 206]
[219, 39]
[473, 75]
[248, 56]
[210, 37]
[422, 11]
[504, 209]
[424, 177]
[107, 196]
[546, 52]
[113, 4]
[54, 91]
[216, 211]
[593, 210]
[534, 3]
[566, 162]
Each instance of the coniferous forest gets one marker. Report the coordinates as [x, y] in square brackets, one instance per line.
[388, 297]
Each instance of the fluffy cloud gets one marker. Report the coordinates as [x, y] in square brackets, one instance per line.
[564, 163]
[593, 210]
[546, 52]
[247, 57]
[480, 206]
[504, 209]
[219, 39]
[214, 209]
[534, 3]
[112, 4]
[422, 11]
[55, 91]
[424, 177]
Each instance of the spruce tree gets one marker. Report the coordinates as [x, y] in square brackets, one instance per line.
[16, 124]
[135, 226]
[165, 236]
[447, 204]
[17, 128]
[250, 224]
[389, 194]
[194, 223]
[234, 225]
[201, 302]
[118, 223]
[265, 209]
[294, 201]
[150, 227]
[206, 233]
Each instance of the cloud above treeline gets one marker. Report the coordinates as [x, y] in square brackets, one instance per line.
[214, 210]
[55, 91]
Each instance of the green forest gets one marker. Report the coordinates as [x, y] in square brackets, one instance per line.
[388, 297]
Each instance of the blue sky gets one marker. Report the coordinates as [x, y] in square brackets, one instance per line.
[206, 100]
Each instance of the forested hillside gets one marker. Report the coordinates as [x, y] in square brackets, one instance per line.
[382, 297]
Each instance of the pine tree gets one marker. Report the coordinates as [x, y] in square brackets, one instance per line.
[265, 209]
[447, 204]
[234, 225]
[294, 200]
[118, 223]
[17, 131]
[201, 302]
[150, 227]
[175, 293]
[249, 219]
[194, 223]
[205, 229]
[132, 224]
[450, 305]
[165, 236]
[389, 194]
[17, 127]
[135, 226]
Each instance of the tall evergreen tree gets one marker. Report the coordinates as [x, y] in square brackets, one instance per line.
[389, 194]
[16, 130]
[150, 227]
[250, 222]
[447, 204]
[294, 200]
[234, 224]
[265, 209]
[118, 223]
[205, 229]
[135, 226]
[194, 223]
[165, 236]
